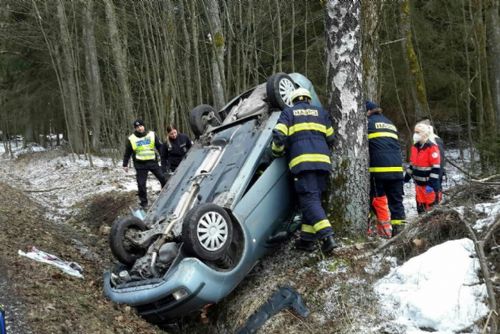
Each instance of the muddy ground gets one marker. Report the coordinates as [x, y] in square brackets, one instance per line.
[39, 298]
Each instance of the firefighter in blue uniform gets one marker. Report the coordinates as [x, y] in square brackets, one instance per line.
[304, 132]
[141, 146]
[386, 170]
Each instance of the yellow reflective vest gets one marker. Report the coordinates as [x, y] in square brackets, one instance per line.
[143, 147]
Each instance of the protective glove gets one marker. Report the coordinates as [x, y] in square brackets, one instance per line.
[428, 189]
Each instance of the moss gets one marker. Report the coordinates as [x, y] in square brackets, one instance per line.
[218, 40]
[336, 204]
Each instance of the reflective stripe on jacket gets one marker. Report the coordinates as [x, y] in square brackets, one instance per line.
[385, 151]
[304, 133]
[143, 147]
[425, 164]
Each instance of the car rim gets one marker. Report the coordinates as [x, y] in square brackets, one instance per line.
[286, 87]
[212, 231]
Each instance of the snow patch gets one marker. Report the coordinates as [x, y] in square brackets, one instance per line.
[437, 290]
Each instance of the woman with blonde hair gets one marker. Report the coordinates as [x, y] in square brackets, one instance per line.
[424, 168]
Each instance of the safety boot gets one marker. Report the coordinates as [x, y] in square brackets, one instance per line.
[397, 228]
[329, 244]
[305, 245]
[384, 230]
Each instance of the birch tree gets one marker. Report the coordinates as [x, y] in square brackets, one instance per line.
[349, 201]
[371, 10]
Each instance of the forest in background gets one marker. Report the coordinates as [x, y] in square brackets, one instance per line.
[88, 68]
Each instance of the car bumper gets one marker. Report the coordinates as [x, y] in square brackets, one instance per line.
[201, 285]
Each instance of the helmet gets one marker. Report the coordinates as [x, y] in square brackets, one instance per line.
[301, 94]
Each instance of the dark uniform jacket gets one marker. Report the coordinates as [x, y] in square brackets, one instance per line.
[305, 133]
[140, 164]
[385, 152]
[173, 151]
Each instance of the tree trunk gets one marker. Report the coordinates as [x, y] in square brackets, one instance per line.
[280, 36]
[493, 38]
[69, 80]
[196, 50]
[187, 61]
[218, 43]
[415, 70]
[119, 57]
[348, 202]
[468, 90]
[94, 83]
[371, 11]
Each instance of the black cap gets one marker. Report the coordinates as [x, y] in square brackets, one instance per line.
[138, 122]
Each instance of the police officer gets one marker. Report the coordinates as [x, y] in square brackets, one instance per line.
[386, 172]
[141, 146]
[174, 149]
[304, 132]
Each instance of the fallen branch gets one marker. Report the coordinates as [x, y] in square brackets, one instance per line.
[486, 183]
[405, 231]
[479, 246]
[43, 190]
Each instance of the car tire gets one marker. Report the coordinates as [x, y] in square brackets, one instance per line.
[198, 119]
[207, 232]
[278, 89]
[120, 246]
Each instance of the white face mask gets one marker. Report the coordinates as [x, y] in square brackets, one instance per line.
[416, 138]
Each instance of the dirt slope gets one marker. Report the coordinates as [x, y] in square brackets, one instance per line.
[39, 298]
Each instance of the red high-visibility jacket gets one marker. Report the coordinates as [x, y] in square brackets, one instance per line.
[425, 164]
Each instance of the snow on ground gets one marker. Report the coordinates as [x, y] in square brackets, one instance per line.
[437, 290]
[58, 180]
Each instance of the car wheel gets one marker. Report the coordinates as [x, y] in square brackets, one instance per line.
[207, 231]
[201, 116]
[278, 89]
[120, 239]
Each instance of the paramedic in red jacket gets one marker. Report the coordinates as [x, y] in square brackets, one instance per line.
[424, 169]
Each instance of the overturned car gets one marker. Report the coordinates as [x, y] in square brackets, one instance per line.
[225, 206]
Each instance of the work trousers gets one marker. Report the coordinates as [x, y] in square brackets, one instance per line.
[142, 176]
[425, 199]
[393, 190]
[309, 186]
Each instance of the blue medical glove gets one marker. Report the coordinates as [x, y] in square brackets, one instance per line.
[428, 189]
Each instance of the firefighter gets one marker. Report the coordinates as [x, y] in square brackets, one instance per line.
[304, 132]
[386, 172]
[174, 149]
[424, 168]
[141, 146]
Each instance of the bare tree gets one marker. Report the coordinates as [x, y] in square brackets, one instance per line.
[348, 204]
[416, 75]
[94, 83]
[371, 10]
[217, 41]
[70, 85]
[119, 59]
[493, 42]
